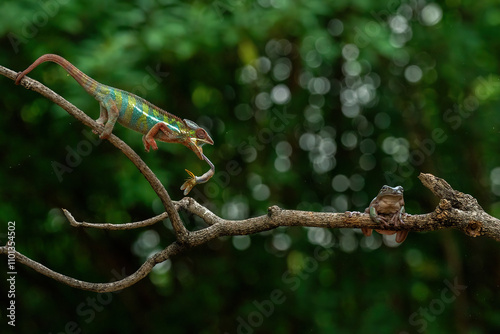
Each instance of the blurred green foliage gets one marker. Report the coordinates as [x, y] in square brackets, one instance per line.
[312, 105]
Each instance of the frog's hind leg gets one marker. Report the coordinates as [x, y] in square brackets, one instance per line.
[367, 231]
[401, 236]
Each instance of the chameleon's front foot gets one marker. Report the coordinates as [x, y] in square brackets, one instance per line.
[194, 180]
[149, 142]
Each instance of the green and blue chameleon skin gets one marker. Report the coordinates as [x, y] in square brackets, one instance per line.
[139, 115]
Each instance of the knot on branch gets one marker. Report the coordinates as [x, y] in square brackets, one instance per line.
[473, 228]
[273, 210]
[442, 212]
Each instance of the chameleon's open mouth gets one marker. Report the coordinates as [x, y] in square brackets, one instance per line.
[200, 142]
[197, 145]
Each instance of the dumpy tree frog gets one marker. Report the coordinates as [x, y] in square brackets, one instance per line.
[387, 207]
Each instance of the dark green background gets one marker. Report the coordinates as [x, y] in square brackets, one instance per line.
[379, 92]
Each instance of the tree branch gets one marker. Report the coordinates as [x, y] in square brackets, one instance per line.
[160, 190]
[455, 210]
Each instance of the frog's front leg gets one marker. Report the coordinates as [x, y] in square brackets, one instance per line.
[375, 217]
[397, 218]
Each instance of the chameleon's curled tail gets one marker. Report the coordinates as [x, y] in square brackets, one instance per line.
[89, 84]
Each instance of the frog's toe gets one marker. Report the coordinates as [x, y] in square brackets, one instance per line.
[383, 221]
[396, 220]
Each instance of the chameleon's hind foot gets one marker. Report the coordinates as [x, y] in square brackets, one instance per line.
[104, 135]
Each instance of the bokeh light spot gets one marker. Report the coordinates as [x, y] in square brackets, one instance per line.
[398, 24]
[307, 141]
[340, 183]
[241, 242]
[367, 162]
[281, 241]
[280, 94]
[282, 164]
[243, 112]
[352, 68]
[335, 27]
[350, 52]
[282, 69]
[349, 139]
[263, 64]
[263, 101]
[261, 192]
[431, 14]
[248, 74]
[283, 149]
[413, 73]
[356, 182]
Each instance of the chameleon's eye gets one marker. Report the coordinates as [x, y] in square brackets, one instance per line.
[201, 134]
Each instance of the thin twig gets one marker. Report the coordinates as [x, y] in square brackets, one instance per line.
[115, 227]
